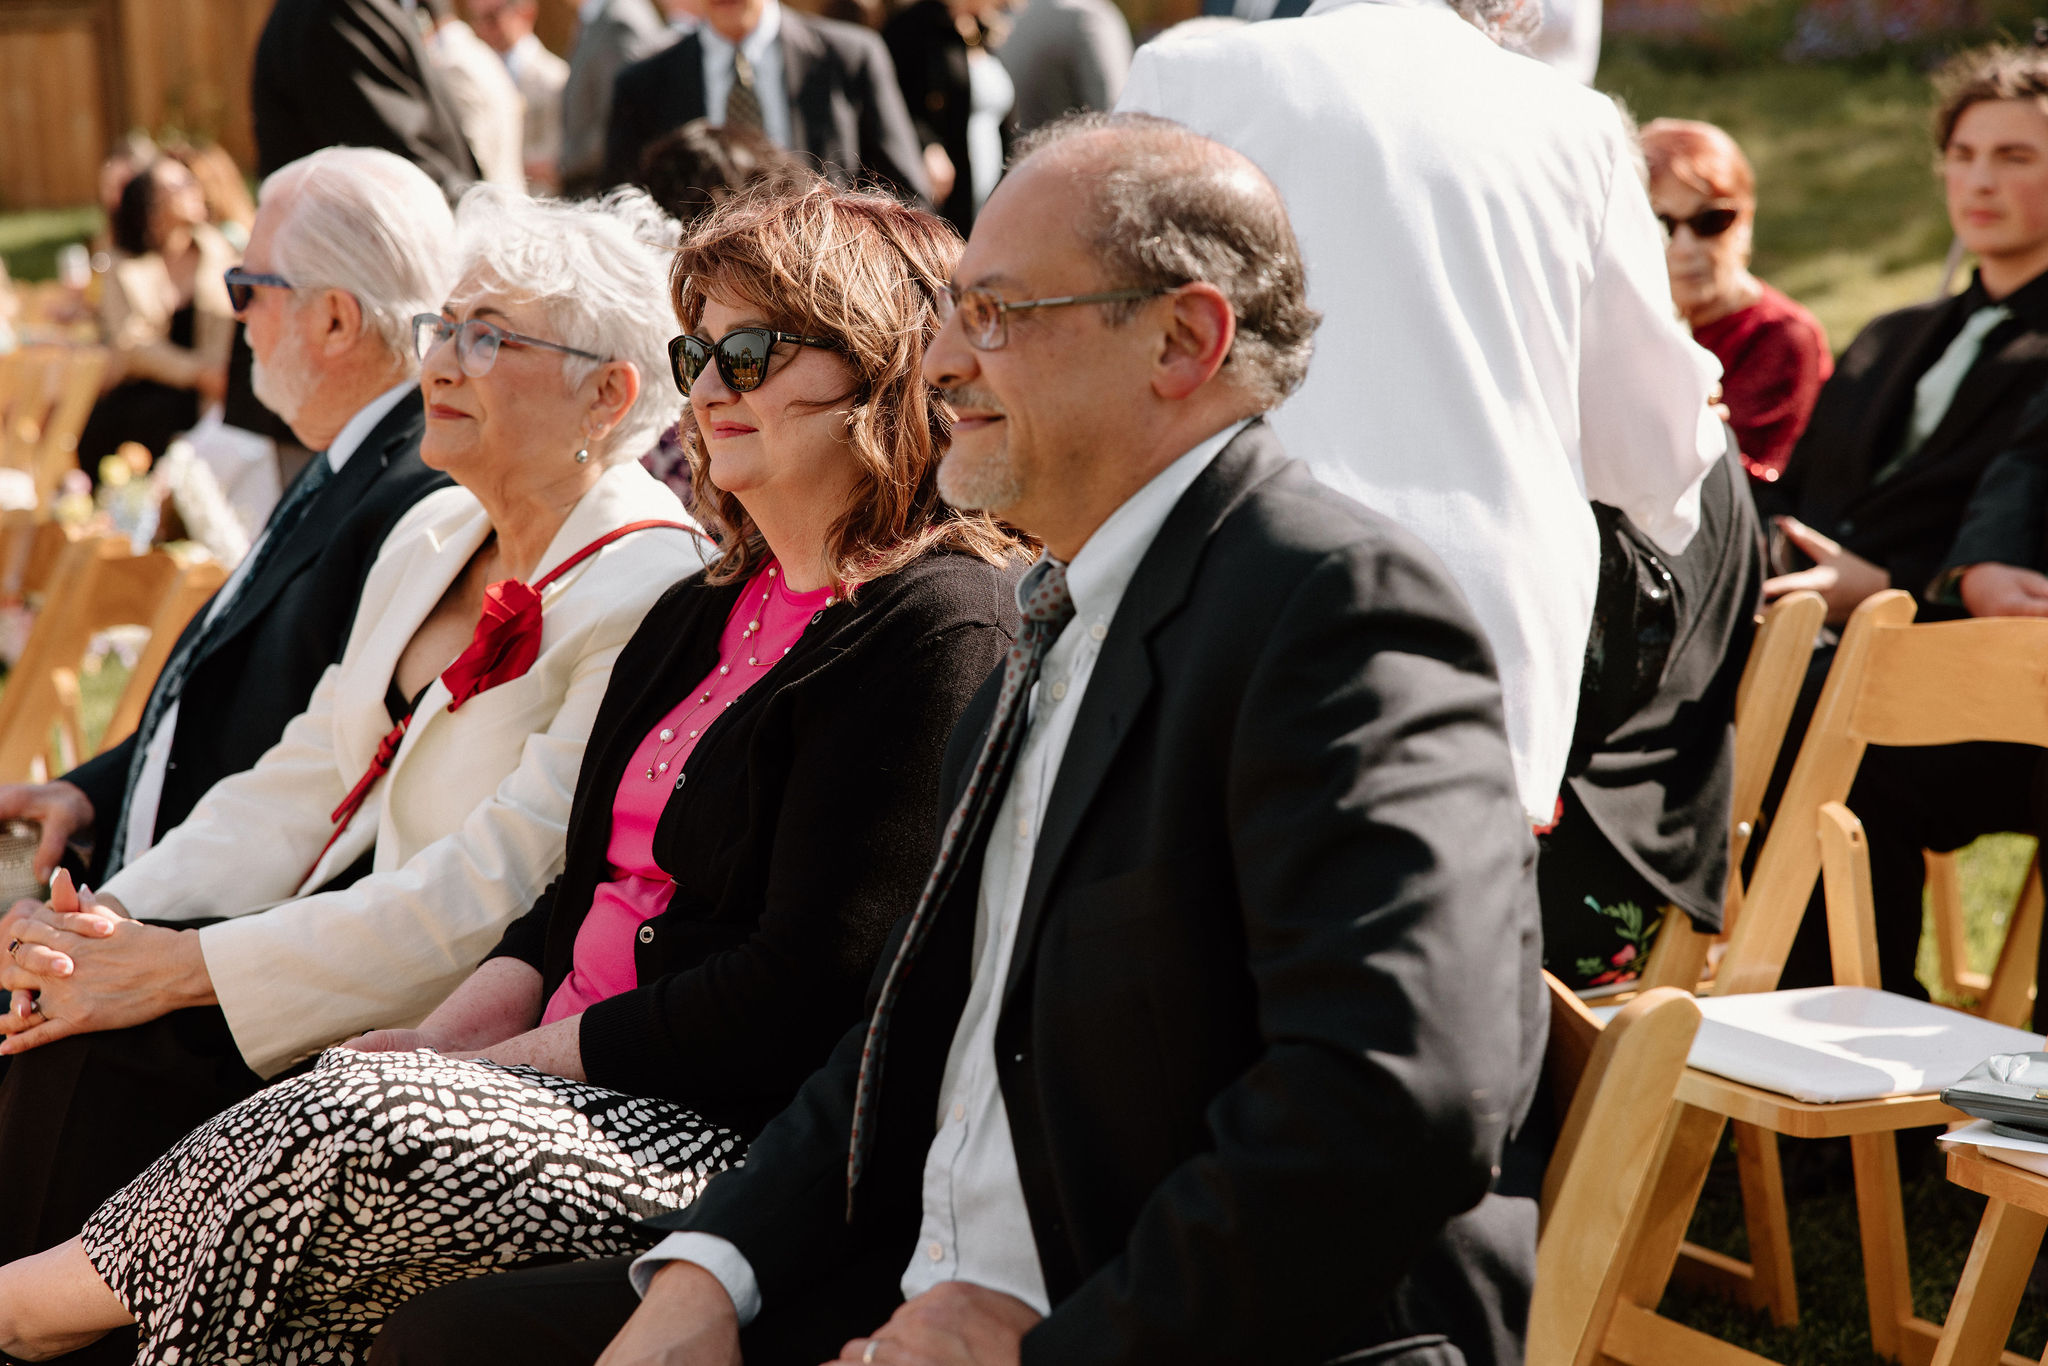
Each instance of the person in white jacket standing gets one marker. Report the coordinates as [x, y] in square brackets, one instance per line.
[1498, 341]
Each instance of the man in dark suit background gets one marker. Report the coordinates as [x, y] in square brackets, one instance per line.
[1205, 1039]
[1920, 404]
[372, 238]
[817, 87]
[611, 36]
[351, 73]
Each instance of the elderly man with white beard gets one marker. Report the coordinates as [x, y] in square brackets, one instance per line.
[349, 244]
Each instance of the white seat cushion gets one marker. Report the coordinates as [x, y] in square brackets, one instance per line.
[1825, 1044]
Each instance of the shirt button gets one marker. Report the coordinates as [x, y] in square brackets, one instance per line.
[647, 934]
[1098, 630]
[935, 1252]
[1023, 827]
[1059, 691]
[959, 1113]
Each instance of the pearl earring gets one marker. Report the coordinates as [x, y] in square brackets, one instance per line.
[583, 456]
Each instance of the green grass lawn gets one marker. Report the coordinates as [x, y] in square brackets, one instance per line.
[29, 241]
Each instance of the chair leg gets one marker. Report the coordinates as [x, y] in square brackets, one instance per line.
[1881, 1218]
[1771, 1284]
[1951, 940]
[1980, 1317]
[1694, 1136]
[2010, 1000]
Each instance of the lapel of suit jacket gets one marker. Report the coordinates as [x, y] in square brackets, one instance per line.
[801, 49]
[330, 506]
[1123, 676]
[1883, 422]
[683, 66]
[1988, 382]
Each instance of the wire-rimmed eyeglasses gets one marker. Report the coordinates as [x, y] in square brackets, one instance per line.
[477, 341]
[985, 318]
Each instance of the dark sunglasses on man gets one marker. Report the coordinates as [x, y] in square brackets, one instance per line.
[742, 355]
[1704, 224]
[242, 285]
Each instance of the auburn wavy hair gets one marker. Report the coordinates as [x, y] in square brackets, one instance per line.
[865, 270]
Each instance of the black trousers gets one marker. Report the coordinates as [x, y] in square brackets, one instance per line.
[565, 1314]
[82, 1117]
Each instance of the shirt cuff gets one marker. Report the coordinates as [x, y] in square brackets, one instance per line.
[716, 1256]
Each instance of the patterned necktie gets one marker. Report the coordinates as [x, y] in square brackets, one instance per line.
[1047, 609]
[1937, 388]
[170, 684]
[742, 104]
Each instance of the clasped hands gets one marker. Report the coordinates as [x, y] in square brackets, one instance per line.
[687, 1319]
[80, 963]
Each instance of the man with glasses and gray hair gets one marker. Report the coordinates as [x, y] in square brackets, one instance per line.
[349, 244]
[1204, 1038]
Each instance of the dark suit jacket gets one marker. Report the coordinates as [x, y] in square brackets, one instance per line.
[261, 660]
[931, 65]
[2006, 521]
[623, 32]
[1906, 523]
[845, 110]
[808, 820]
[351, 73]
[1274, 1003]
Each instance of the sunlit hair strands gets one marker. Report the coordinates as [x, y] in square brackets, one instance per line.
[864, 270]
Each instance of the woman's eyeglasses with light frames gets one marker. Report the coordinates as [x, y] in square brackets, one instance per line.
[986, 318]
[477, 342]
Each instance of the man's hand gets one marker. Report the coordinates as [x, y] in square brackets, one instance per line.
[686, 1319]
[2003, 590]
[954, 1324]
[1840, 576]
[60, 808]
[93, 968]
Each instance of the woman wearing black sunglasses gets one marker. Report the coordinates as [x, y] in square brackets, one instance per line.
[758, 803]
[1774, 355]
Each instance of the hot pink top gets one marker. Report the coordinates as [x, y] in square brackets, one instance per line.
[765, 623]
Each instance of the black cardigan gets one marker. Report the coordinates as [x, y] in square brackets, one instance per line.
[805, 828]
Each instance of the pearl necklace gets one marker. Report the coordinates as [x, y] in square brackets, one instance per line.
[668, 733]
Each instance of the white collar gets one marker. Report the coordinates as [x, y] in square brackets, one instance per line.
[1325, 6]
[364, 422]
[756, 45]
[1102, 568]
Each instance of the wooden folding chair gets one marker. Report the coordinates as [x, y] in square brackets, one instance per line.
[1893, 683]
[45, 398]
[1779, 655]
[2006, 993]
[1619, 1083]
[2001, 1258]
[97, 584]
[196, 584]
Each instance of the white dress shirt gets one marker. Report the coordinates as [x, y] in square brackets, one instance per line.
[764, 53]
[149, 784]
[975, 1226]
[1498, 341]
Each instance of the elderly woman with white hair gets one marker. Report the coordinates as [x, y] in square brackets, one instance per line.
[759, 803]
[366, 864]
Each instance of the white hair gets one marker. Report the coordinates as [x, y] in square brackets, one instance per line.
[371, 223]
[597, 271]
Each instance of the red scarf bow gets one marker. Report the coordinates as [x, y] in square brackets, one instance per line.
[506, 643]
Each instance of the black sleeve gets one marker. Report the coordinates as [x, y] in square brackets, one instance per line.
[1385, 874]
[890, 149]
[104, 781]
[355, 79]
[624, 137]
[527, 937]
[2003, 522]
[751, 1022]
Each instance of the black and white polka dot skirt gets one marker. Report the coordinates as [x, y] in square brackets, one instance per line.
[287, 1228]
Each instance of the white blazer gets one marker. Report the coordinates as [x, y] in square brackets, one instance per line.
[467, 827]
[1498, 341]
